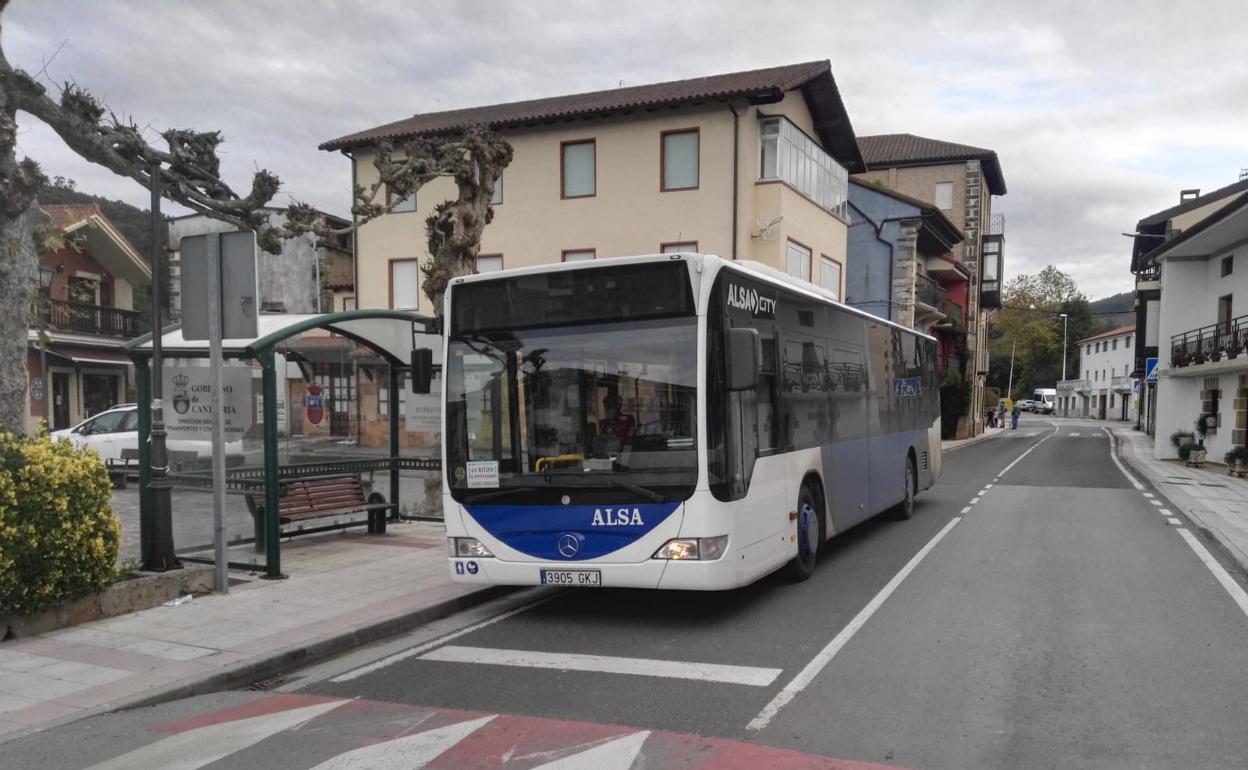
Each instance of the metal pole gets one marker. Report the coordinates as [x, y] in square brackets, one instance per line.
[157, 544]
[272, 495]
[215, 364]
[1009, 389]
[143, 388]
[396, 382]
[47, 385]
[1065, 321]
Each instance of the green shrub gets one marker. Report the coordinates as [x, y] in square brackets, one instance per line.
[955, 398]
[1185, 450]
[58, 537]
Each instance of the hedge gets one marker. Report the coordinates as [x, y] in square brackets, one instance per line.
[58, 536]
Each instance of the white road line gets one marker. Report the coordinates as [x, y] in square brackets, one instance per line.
[1020, 457]
[1148, 494]
[1072, 434]
[407, 752]
[966, 510]
[1113, 453]
[607, 664]
[987, 486]
[1220, 574]
[974, 500]
[1172, 521]
[1156, 502]
[1165, 512]
[817, 664]
[356, 673]
[983, 492]
[618, 754]
[205, 745]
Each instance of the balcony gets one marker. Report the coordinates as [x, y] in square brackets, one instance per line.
[993, 252]
[98, 320]
[929, 292]
[1121, 384]
[1072, 386]
[1211, 344]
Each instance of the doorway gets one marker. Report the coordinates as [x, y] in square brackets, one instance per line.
[60, 400]
[99, 392]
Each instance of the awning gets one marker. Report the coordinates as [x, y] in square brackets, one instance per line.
[90, 355]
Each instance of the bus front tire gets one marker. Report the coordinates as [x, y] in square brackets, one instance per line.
[809, 535]
[905, 509]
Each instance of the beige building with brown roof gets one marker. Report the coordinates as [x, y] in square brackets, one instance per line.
[748, 165]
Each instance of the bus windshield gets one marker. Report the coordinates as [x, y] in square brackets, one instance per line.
[599, 411]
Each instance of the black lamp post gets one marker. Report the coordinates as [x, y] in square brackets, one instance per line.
[157, 544]
[45, 286]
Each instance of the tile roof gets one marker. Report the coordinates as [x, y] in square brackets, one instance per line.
[67, 214]
[887, 150]
[1230, 209]
[769, 84]
[1110, 333]
[1202, 200]
[932, 216]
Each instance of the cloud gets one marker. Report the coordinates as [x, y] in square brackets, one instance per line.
[1100, 112]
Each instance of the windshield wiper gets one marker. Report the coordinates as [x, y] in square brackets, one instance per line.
[655, 496]
[499, 493]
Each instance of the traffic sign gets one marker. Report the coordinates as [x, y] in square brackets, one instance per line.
[1150, 369]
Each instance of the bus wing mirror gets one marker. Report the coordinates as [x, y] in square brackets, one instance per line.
[744, 355]
[422, 371]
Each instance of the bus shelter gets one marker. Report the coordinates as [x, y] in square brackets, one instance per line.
[311, 397]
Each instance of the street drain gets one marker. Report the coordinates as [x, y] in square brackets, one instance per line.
[264, 685]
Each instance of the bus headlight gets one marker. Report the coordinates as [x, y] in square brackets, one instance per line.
[468, 547]
[693, 548]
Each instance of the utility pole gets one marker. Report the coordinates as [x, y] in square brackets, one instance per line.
[157, 545]
[1065, 319]
[1009, 389]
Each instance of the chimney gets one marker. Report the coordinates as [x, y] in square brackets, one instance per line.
[1189, 195]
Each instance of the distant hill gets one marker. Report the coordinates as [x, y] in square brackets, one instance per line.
[1118, 310]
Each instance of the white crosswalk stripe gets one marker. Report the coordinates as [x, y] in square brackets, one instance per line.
[614, 755]
[204, 745]
[409, 752]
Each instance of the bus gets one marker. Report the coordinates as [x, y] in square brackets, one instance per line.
[673, 421]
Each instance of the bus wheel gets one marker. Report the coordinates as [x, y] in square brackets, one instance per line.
[809, 536]
[905, 509]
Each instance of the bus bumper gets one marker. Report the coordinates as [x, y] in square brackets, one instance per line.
[655, 573]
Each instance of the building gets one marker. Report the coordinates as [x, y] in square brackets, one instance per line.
[747, 165]
[84, 313]
[311, 275]
[960, 180]
[1150, 233]
[1203, 363]
[1105, 388]
[900, 266]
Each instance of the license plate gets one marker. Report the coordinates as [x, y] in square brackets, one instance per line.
[589, 578]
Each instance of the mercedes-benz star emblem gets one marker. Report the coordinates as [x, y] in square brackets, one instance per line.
[568, 545]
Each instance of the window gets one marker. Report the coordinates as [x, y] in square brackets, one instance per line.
[348, 303]
[489, 263]
[498, 191]
[578, 169]
[1224, 313]
[1089, 350]
[578, 255]
[944, 196]
[789, 155]
[400, 205]
[798, 264]
[1114, 346]
[383, 396]
[830, 276]
[404, 283]
[1126, 342]
[1228, 265]
[678, 246]
[679, 159]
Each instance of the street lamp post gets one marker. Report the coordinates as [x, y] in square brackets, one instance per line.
[1065, 318]
[157, 548]
[45, 285]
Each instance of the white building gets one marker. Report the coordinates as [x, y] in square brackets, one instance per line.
[1202, 366]
[1105, 389]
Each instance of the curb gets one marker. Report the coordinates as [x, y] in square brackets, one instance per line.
[284, 660]
[972, 441]
[1194, 512]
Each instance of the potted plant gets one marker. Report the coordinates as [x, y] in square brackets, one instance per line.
[1237, 461]
[1181, 438]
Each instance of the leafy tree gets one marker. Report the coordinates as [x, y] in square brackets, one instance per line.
[190, 171]
[1028, 329]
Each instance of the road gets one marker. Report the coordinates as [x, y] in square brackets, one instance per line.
[1040, 610]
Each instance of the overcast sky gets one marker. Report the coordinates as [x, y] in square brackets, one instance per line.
[1100, 112]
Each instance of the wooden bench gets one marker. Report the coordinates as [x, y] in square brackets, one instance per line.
[319, 498]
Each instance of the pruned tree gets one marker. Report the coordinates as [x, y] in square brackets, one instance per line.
[191, 176]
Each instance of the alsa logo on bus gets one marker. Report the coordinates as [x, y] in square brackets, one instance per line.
[745, 298]
[617, 517]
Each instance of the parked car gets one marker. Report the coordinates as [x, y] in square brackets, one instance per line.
[1026, 405]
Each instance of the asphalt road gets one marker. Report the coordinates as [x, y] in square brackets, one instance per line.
[1038, 611]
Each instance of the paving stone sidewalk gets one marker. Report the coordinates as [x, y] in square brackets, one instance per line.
[1214, 500]
[952, 444]
[343, 590]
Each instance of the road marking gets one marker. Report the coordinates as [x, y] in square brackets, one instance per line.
[1172, 521]
[974, 500]
[606, 664]
[1148, 494]
[1165, 512]
[205, 745]
[1072, 434]
[1156, 502]
[1113, 453]
[429, 645]
[406, 752]
[1020, 457]
[966, 510]
[984, 491]
[987, 486]
[1220, 574]
[817, 664]
[618, 754]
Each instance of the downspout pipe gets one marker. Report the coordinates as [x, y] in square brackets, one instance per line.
[892, 247]
[736, 157]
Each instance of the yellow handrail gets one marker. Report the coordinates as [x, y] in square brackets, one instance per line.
[544, 461]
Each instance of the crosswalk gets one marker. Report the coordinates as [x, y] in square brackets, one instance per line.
[312, 732]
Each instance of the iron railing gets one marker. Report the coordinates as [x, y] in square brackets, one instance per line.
[929, 292]
[1210, 343]
[92, 319]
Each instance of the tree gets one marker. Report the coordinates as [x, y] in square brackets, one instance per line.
[190, 173]
[1028, 330]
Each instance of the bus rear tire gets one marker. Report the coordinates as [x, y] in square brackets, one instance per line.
[904, 510]
[809, 532]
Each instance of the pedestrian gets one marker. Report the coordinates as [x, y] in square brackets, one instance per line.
[1000, 414]
[1014, 417]
[990, 418]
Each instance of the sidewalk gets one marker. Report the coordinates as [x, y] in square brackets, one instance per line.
[1213, 500]
[952, 444]
[344, 589]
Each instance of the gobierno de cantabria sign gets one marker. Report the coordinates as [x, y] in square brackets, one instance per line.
[188, 402]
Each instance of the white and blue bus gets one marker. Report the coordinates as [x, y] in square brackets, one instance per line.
[671, 421]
